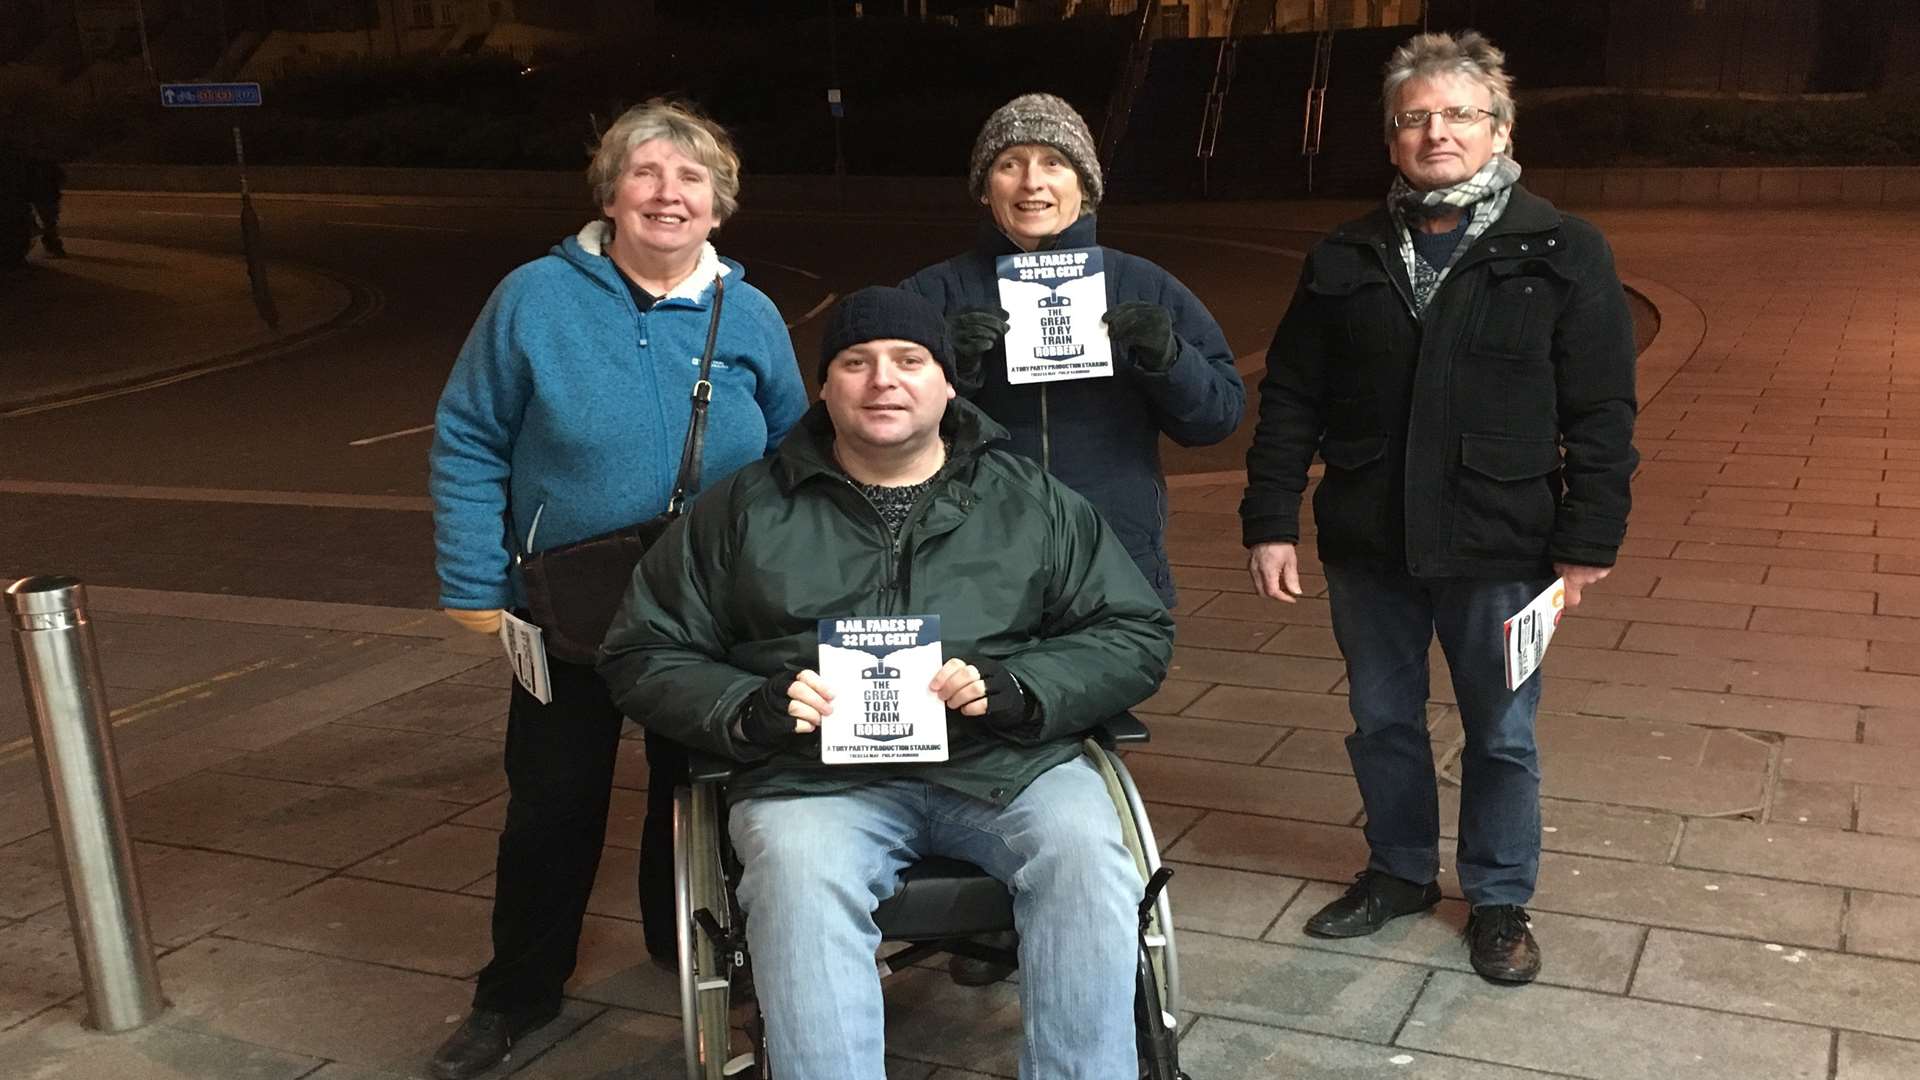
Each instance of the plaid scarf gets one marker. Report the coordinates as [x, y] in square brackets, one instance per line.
[1483, 196]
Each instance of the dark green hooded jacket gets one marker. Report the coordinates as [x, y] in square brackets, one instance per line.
[1017, 566]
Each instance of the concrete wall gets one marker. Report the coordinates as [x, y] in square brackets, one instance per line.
[1867, 185]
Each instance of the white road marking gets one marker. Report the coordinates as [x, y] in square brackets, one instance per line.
[817, 309]
[328, 499]
[371, 439]
[792, 269]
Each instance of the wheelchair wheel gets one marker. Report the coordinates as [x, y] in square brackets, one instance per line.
[1146, 853]
[699, 885]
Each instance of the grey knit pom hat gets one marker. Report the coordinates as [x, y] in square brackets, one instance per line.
[1043, 119]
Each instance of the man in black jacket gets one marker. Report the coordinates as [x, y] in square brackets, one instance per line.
[1462, 360]
[890, 500]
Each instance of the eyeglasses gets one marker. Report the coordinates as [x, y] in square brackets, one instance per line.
[1455, 116]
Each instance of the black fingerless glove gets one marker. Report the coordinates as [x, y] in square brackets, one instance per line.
[1008, 709]
[764, 719]
[1143, 332]
[974, 332]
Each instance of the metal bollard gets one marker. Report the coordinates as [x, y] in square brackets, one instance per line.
[61, 674]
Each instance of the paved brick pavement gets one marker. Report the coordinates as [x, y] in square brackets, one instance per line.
[1731, 885]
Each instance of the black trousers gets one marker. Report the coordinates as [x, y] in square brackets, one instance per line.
[559, 762]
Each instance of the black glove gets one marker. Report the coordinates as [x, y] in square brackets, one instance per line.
[1007, 706]
[1144, 333]
[975, 332]
[764, 719]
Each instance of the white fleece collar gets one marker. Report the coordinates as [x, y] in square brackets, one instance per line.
[594, 237]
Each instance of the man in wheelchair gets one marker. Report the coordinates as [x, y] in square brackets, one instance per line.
[889, 499]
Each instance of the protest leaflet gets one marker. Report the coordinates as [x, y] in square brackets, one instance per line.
[1529, 630]
[879, 670]
[527, 651]
[1056, 302]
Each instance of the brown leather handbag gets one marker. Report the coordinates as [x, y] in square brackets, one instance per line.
[574, 590]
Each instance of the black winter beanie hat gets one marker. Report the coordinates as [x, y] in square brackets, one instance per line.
[878, 312]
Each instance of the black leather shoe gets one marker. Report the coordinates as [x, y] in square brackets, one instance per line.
[1500, 942]
[1372, 900]
[480, 1043]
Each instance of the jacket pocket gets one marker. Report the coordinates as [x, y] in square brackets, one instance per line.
[1353, 504]
[1520, 307]
[1364, 308]
[1505, 494]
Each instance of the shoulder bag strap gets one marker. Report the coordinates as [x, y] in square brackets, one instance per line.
[688, 481]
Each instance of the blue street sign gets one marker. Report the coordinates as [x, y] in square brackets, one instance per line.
[208, 95]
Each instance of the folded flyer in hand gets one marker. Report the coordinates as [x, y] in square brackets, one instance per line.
[879, 670]
[1527, 633]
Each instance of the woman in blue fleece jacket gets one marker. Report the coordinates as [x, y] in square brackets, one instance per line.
[568, 407]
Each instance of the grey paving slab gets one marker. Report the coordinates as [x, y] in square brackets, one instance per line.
[1307, 989]
[41, 969]
[1883, 924]
[449, 857]
[1232, 1050]
[630, 981]
[1236, 634]
[1250, 789]
[444, 708]
[1313, 751]
[1300, 849]
[1809, 986]
[1811, 719]
[189, 893]
[1173, 695]
[1604, 1037]
[449, 768]
[1613, 737]
[1891, 810]
[1282, 708]
[1803, 853]
[304, 823]
[1862, 763]
[495, 674]
[1709, 901]
[613, 1044]
[316, 1006]
[1212, 740]
[418, 929]
[1256, 669]
[23, 804]
[29, 877]
[57, 1046]
[1820, 803]
[1871, 1057]
[1231, 903]
[263, 725]
[1590, 954]
[1581, 828]
[1672, 786]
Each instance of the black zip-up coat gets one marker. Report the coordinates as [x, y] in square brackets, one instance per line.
[1490, 440]
[1102, 436]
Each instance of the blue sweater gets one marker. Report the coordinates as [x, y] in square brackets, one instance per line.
[570, 402]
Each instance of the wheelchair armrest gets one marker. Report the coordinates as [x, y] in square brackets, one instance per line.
[709, 768]
[1121, 730]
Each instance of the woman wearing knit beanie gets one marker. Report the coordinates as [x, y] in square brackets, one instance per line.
[1035, 171]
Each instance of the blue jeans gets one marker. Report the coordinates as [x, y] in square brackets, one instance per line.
[1384, 622]
[814, 868]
